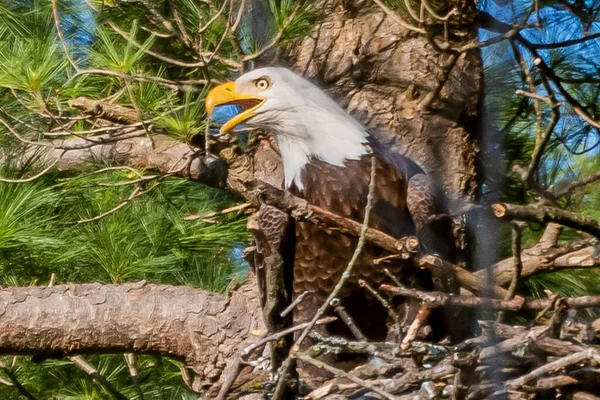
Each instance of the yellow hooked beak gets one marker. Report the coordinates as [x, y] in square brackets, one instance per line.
[226, 94]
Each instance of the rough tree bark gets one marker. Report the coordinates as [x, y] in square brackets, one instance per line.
[204, 330]
[385, 76]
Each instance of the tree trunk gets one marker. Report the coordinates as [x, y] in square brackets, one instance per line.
[386, 75]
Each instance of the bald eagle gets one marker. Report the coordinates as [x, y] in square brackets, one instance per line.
[326, 156]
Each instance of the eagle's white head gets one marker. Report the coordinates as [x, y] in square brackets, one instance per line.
[305, 121]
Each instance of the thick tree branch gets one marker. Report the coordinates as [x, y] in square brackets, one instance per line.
[543, 214]
[204, 330]
[578, 254]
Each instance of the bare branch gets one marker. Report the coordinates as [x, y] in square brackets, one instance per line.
[543, 214]
[89, 369]
[552, 366]
[578, 184]
[565, 43]
[441, 299]
[342, 374]
[39, 174]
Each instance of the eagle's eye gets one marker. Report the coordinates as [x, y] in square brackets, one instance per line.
[262, 83]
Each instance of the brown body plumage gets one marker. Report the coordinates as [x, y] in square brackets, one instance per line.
[322, 255]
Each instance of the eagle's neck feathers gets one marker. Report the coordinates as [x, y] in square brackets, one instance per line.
[329, 136]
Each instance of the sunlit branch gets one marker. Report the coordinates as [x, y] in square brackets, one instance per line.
[542, 214]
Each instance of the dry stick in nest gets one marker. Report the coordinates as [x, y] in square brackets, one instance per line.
[413, 329]
[381, 300]
[287, 365]
[563, 362]
[342, 374]
[441, 299]
[235, 370]
[341, 311]
[293, 304]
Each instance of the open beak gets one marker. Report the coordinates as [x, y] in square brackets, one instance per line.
[226, 94]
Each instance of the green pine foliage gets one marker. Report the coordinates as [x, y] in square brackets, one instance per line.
[572, 152]
[61, 224]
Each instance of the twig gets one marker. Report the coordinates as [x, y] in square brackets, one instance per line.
[15, 382]
[566, 43]
[61, 37]
[534, 96]
[353, 261]
[578, 184]
[293, 304]
[137, 192]
[229, 380]
[392, 277]
[276, 336]
[466, 279]
[549, 306]
[516, 250]
[441, 299]
[341, 311]
[89, 369]
[413, 329]
[543, 138]
[20, 138]
[342, 374]
[133, 372]
[381, 300]
[52, 279]
[551, 366]
[545, 69]
[518, 267]
[397, 18]
[236, 367]
[236, 208]
[179, 63]
[39, 174]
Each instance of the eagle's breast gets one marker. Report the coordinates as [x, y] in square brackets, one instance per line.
[321, 255]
